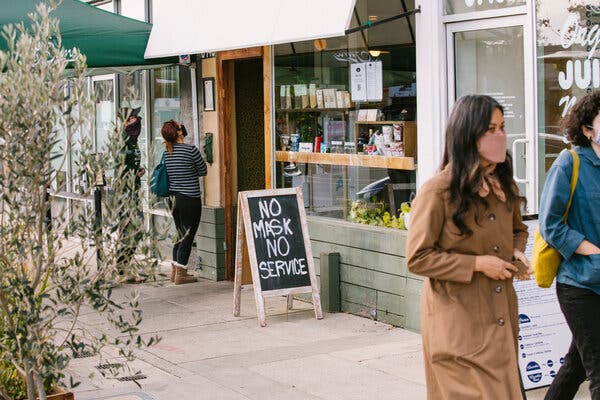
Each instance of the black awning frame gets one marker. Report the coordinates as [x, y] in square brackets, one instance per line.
[369, 24]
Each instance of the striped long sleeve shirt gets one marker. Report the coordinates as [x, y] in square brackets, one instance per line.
[184, 166]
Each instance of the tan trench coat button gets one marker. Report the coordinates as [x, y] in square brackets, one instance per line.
[501, 321]
[498, 289]
[492, 217]
[496, 249]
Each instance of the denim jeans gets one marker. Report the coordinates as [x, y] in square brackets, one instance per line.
[580, 307]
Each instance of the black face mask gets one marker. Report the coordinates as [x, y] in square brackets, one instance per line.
[133, 130]
[183, 130]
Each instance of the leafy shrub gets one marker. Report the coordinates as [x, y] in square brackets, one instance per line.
[376, 214]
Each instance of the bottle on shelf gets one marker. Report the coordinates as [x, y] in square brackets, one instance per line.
[360, 145]
[349, 148]
[337, 146]
[318, 142]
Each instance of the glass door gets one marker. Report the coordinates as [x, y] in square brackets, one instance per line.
[105, 101]
[494, 57]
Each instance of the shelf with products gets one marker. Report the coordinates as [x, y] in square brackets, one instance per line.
[312, 110]
[407, 131]
[309, 123]
[354, 160]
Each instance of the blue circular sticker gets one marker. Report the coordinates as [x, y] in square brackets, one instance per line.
[534, 371]
[523, 319]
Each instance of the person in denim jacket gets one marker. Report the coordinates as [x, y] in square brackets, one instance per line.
[578, 241]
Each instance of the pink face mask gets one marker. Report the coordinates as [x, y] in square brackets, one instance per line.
[493, 147]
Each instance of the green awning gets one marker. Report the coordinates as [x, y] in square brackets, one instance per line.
[109, 41]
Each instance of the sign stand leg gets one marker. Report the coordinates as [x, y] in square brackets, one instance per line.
[239, 253]
[317, 303]
[290, 302]
[260, 305]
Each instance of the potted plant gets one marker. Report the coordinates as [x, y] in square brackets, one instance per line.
[304, 128]
[42, 289]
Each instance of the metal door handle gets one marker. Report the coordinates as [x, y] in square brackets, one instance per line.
[514, 160]
[514, 153]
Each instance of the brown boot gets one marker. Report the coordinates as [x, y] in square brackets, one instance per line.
[182, 276]
[173, 269]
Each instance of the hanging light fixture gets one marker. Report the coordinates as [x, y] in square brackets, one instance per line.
[320, 44]
[377, 53]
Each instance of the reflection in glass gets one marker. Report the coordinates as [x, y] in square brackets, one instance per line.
[166, 104]
[566, 69]
[105, 112]
[464, 6]
[134, 9]
[316, 101]
[483, 59]
[132, 95]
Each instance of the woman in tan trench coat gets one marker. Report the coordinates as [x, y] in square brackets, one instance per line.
[467, 238]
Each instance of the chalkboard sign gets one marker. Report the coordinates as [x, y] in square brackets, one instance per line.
[272, 229]
[278, 242]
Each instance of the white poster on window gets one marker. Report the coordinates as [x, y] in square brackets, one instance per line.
[374, 80]
[358, 82]
[544, 336]
[366, 81]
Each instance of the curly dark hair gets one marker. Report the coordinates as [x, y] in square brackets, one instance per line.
[469, 120]
[581, 114]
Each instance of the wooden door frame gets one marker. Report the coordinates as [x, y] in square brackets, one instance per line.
[225, 86]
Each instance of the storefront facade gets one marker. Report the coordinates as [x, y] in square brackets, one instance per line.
[535, 58]
[163, 93]
[357, 120]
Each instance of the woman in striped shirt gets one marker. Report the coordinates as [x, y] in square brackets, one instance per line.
[184, 166]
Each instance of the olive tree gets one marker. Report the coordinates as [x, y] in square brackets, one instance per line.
[44, 290]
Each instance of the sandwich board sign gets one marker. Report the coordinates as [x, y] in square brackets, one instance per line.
[271, 227]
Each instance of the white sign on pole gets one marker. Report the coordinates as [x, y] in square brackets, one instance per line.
[544, 336]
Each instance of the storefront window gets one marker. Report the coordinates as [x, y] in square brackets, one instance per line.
[345, 112]
[132, 94]
[134, 9]
[165, 104]
[464, 6]
[105, 111]
[568, 67]
[108, 6]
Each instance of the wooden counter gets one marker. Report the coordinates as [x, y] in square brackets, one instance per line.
[354, 160]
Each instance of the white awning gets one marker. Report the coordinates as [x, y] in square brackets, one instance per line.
[199, 26]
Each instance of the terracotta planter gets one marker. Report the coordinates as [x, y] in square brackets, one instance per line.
[60, 394]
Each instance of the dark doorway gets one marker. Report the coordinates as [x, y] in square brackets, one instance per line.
[249, 121]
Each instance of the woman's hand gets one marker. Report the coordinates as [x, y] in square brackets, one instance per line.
[494, 267]
[525, 271]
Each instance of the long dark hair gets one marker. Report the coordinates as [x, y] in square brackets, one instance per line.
[470, 120]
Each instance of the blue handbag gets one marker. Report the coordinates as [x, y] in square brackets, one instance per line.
[159, 183]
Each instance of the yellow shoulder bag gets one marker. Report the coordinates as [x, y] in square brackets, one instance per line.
[544, 258]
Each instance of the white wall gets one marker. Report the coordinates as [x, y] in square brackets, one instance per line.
[431, 88]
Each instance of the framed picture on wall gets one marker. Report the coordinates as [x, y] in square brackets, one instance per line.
[208, 93]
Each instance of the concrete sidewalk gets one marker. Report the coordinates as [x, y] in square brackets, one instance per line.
[207, 353]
